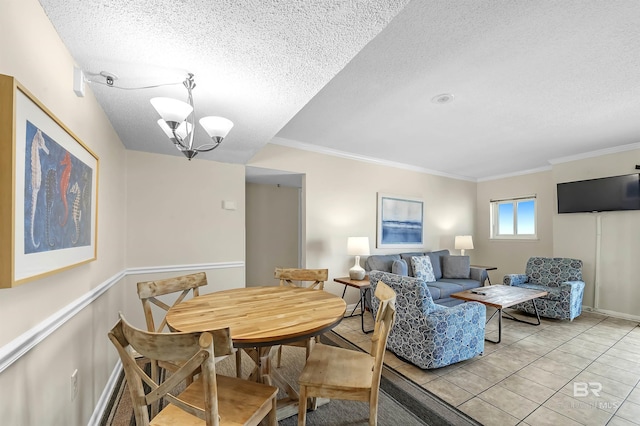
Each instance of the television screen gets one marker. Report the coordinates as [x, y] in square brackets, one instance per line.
[599, 195]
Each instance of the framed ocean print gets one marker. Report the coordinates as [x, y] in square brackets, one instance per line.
[48, 206]
[400, 221]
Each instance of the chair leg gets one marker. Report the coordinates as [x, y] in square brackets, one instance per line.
[302, 406]
[273, 414]
[239, 363]
[373, 409]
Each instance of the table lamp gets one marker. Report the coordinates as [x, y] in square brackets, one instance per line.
[463, 242]
[357, 246]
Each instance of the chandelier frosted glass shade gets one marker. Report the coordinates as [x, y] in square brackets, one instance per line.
[172, 110]
[216, 127]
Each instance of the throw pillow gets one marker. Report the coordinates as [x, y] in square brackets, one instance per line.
[399, 267]
[422, 268]
[456, 266]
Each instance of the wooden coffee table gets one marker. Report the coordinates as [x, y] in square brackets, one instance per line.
[500, 297]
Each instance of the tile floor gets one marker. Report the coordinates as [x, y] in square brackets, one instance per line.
[584, 372]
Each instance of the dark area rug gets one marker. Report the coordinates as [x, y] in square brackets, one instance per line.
[401, 402]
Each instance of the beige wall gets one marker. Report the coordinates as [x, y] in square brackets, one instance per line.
[571, 235]
[511, 256]
[341, 202]
[174, 211]
[272, 231]
[576, 235]
[139, 227]
[36, 389]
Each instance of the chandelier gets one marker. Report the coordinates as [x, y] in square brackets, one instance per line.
[178, 119]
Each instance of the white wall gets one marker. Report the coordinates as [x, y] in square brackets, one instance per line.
[272, 231]
[341, 202]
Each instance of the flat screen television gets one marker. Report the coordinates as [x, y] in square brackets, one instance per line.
[600, 195]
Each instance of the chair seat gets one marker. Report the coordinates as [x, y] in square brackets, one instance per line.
[554, 293]
[355, 372]
[240, 401]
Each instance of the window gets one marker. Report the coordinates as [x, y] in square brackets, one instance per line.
[514, 218]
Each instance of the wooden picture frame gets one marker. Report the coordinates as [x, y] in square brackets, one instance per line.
[49, 191]
[400, 221]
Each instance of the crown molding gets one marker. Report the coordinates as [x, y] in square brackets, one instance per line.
[363, 158]
[597, 153]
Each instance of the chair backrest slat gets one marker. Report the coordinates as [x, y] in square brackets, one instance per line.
[287, 276]
[148, 291]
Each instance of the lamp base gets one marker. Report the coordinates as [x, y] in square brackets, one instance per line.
[357, 273]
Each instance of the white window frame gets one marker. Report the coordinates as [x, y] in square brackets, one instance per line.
[494, 211]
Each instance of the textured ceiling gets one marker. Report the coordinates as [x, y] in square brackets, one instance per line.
[532, 81]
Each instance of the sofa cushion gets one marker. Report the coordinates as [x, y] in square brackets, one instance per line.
[445, 288]
[436, 261]
[400, 267]
[422, 268]
[380, 262]
[456, 267]
[466, 284]
[407, 258]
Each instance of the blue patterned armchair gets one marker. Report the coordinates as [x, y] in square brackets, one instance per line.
[427, 334]
[561, 277]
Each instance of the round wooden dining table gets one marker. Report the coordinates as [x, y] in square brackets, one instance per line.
[260, 319]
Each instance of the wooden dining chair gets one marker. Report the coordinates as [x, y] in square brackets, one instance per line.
[339, 373]
[309, 278]
[210, 400]
[149, 293]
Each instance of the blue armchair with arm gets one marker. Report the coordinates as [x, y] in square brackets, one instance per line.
[426, 334]
[559, 276]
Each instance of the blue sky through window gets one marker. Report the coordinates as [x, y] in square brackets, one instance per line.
[516, 218]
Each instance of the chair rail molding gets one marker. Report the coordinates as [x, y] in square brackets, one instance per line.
[12, 351]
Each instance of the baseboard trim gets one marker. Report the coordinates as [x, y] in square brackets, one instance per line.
[103, 401]
[15, 349]
[611, 313]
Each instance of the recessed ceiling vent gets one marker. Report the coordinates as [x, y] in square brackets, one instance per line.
[444, 98]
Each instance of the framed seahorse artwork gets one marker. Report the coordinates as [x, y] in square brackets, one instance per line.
[48, 201]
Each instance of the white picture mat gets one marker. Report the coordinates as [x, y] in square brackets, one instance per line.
[34, 264]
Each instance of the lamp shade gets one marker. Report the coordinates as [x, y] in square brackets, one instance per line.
[357, 246]
[216, 126]
[171, 110]
[463, 242]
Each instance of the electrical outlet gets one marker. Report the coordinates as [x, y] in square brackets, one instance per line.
[74, 384]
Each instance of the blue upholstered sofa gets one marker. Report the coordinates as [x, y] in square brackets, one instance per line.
[560, 277]
[426, 334]
[443, 284]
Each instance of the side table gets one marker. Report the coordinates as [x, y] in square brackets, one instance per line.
[486, 268]
[364, 286]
